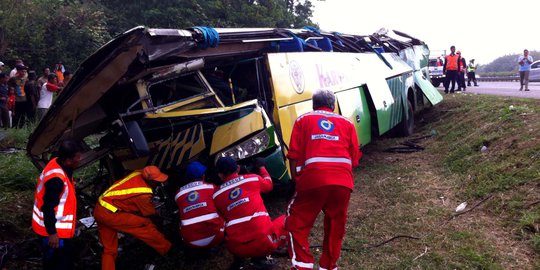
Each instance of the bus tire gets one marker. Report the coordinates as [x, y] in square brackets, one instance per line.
[406, 127]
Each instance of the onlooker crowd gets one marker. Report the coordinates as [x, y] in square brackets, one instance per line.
[25, 97]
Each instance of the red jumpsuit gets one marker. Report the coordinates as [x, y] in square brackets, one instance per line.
[249, 231]
[200, 224]
[325, 148]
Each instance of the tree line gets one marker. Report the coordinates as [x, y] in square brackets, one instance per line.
[45, 32]
[505, 65]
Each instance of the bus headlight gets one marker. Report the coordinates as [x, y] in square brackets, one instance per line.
[248, 148]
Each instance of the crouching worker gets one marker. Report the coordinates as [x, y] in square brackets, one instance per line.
[125, 207]
[200, 224]
[249, 231]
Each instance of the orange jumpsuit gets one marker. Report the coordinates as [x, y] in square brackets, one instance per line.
[131, 218]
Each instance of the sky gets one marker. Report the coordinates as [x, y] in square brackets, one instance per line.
[480, 29]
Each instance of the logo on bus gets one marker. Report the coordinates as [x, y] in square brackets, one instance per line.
[297, 77]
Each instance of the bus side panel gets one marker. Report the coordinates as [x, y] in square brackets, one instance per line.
[288, 115]
[381, 96]
[431, 93]
[418, 57]
[353, 105]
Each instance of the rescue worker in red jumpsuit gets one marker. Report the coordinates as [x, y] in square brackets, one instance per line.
[249, 231]
[55, 207]
[126, 207]
[323, 150]
[200, 224]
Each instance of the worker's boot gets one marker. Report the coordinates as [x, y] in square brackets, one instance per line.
[281, 252]
[237, 264]
[263, 263]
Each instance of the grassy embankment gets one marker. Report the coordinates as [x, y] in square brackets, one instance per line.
[416, 194]
[406, 194]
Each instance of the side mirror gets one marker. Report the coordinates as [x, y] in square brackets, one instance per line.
[135, 139]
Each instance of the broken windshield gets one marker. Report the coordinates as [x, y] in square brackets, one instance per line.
[188, 91]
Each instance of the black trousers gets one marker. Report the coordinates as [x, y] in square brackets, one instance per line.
[461, 80]
[4, 116]
[58, 258]
[21, 114]
[471, 76]
[451, 76]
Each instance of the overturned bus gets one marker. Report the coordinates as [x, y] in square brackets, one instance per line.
[169, 96]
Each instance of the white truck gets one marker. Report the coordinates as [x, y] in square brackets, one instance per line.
[436, 63]
[436, 73]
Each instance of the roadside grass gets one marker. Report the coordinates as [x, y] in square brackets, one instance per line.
[410, 195]
[415, 194]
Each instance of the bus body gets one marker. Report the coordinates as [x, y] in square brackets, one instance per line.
[169, 96]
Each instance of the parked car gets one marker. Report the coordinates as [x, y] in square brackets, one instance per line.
[534, 75]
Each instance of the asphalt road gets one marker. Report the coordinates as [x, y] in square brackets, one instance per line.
[510, 89]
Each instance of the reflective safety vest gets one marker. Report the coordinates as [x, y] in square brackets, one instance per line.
[471, 67]
[452, 62]
[130, 186]
[65, 211]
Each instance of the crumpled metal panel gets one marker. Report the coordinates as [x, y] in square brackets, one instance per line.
[160, 43]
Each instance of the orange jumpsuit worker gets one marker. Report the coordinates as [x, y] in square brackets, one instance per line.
[322, 152]
[125, 208]
[249, 231]
[200, 224]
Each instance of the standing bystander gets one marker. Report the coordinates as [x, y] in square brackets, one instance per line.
[21, 106]
[46, 96]
[4, 113]
[14, 71]
[44, 77]
[323, 150]
[524, 62]
[59, 71]
[11, 104]
[67, 77]
[32, 95]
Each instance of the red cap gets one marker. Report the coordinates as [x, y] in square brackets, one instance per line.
[153, 173]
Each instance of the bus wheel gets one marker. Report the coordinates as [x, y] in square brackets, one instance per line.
[406, 127]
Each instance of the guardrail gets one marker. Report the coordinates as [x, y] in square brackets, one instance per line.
[498, 79]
